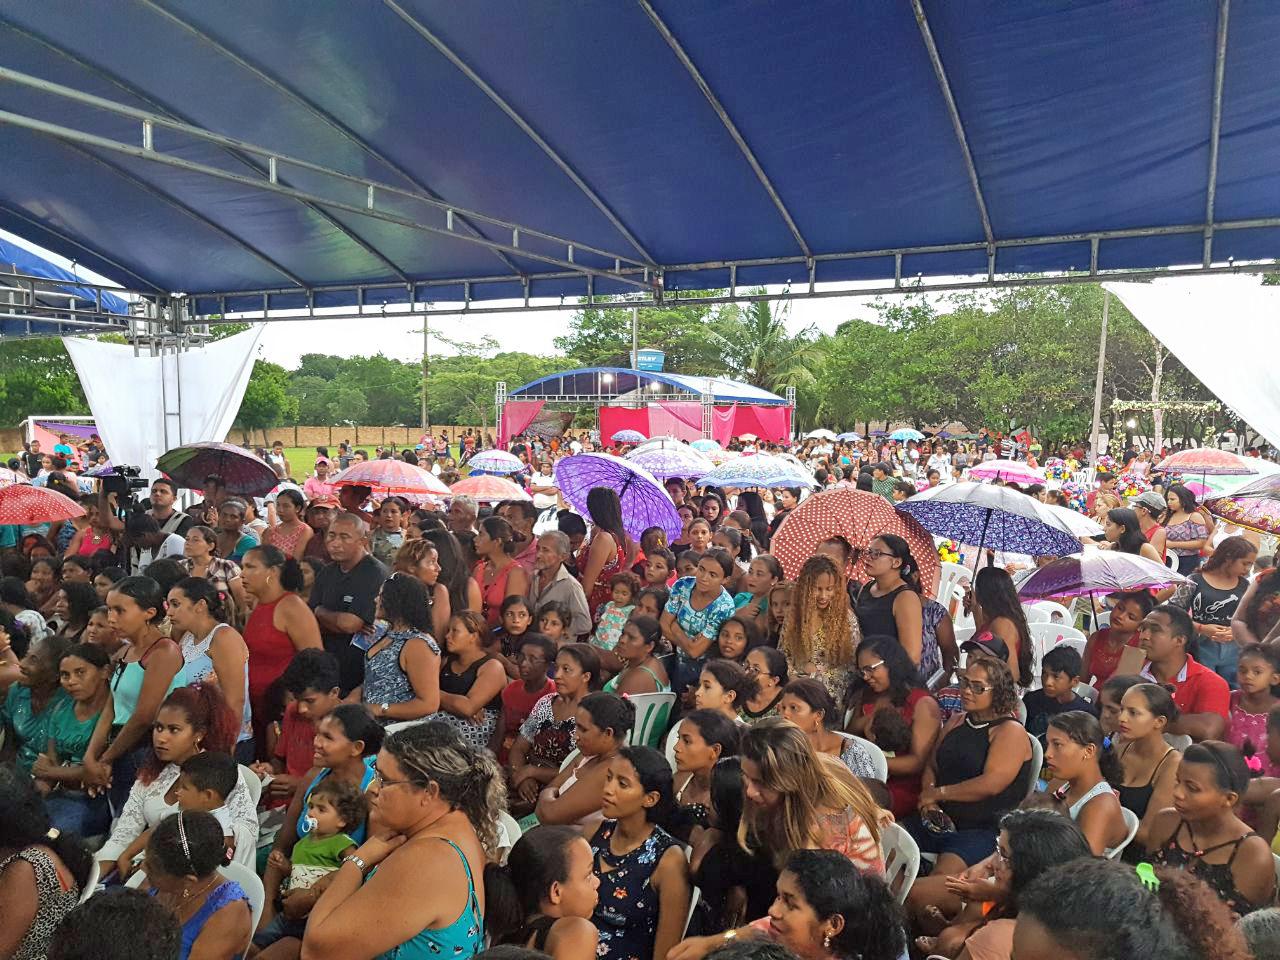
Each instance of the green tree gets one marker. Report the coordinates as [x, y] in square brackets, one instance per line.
[601, 336]
[37, 377]
[267, 402]
[756, 348]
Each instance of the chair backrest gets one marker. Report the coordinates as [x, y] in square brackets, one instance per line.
[1086, 692]
[652, 712]
[403, 725]
[1044, 636]
[670, 748]
[91, 885]
[901, 860]
[1179, 741]
[1037, 761]
[1035, 615]
[1132, 822]
[508, 833]
[1057, 612]
[571, 759]
[252, 887]
[694, 896]
[879, 762]
[1277, 860]
[253, 783]
[1075, 642]
[951, 577]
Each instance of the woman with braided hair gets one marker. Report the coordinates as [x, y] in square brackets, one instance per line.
[436, 805]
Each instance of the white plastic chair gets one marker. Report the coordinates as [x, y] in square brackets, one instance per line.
[1057, 612]
[1179, 741]
[901, 860]
[1035, 615]
[1045, 636]
[402, 725]
[951, 577]
[879, 762]
[252, 887]
[1132, 822]
[694, 896]
[1037, 763]
[1087, 692]
[652, 711]
[571, 759]
[670, 748]
[1075, 642]
[253, 783]
[91, 885]
[508, 833]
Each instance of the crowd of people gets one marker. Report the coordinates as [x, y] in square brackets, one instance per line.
[340, 725]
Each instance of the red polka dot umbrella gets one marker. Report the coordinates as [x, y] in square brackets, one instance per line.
[21, 505]
[859, 517]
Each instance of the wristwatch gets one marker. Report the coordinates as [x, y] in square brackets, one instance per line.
[359, 862]
[730, 936]
[383, 708]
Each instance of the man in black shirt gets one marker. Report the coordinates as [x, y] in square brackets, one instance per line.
[163, 496]
[33, 458]
[345, 594]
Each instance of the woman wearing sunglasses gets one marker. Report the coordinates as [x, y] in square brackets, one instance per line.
[979, 771]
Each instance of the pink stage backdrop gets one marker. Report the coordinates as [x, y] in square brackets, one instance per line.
[684, 421]
[516, 416]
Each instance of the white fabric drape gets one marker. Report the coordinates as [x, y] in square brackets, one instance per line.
[1226, 330]
[145, 405]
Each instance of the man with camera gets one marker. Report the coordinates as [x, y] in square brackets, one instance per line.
[171, 520]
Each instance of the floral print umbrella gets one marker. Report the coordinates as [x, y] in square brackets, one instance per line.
[645, 502]
[983, 515]
[1255, 506]
[1100, 571]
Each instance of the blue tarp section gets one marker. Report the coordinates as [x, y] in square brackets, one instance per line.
[14, 258]
[1081, 116]
[616, 381]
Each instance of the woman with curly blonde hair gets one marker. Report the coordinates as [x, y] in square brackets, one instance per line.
[437, 803]
[820, 634]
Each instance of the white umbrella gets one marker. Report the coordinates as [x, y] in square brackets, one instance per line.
[1080, 524]
[822, 433]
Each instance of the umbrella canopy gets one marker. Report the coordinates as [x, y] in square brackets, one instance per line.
[498, 462]
[645, 502]
[1078, 523]
[1255, 505]
[664, 462]
[906, 433]
[1099, 571]
[24, 505]
[849, 437]
[486, 489]
[628, 436]
[391, 476]
[757, 470]
[241, 472]
[1010, 471]
[983, 515]
[1225, 486]
[1208, 462]
[749, 437]
[859, 517]
[705, 445]
[821, 434]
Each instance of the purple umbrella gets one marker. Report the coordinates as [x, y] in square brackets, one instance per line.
[983, 515]
[677, 461]
[1103, 571]
[644, 501]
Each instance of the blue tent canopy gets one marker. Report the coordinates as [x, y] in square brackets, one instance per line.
[55, 300]
[596, 383]
[294, 154]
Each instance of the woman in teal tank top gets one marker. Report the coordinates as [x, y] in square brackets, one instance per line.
[439, 798]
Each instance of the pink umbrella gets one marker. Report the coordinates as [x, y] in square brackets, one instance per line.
[486, 489]
[1010, 471]
[387, 477]
[21, 505]
[1208, 462]
[1199, 489]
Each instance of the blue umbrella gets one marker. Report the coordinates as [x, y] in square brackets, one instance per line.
[757, 470]
[849, 437]
[705, 445]
[628, 436]
[498, 463]
[983, 515]
[906, 433]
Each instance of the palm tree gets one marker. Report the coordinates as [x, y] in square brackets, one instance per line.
[758, 350]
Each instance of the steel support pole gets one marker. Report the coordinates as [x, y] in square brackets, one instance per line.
[425, 350]
[1097, 384]
[635, 338]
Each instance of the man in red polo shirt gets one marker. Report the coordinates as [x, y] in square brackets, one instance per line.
[1202, 696]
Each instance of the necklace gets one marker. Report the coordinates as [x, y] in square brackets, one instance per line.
[181, 904]
[968, 719]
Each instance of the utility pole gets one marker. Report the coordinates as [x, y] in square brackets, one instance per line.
[635, 338]
[426, 423]
[1097, 385]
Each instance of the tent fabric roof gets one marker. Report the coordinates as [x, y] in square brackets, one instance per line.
[618, 381]
[823, 131]
[52, 297]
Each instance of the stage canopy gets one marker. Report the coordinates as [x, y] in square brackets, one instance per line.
[55, 293]
[296, 154]
[611, 383]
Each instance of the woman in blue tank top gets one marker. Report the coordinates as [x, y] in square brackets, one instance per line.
[438, 799]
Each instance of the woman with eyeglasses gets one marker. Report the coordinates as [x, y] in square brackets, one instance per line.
[888, 680]
[437, 801]
[890, 604]
[979, 771]
[769, 666]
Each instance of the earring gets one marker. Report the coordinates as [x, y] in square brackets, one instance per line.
[826, 942]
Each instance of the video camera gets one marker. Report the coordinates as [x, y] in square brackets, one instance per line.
[123, 481]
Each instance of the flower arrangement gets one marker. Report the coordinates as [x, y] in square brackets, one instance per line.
[949, 551]
[1077, 495]
[1132, 485]
[1055, 468]
[1108, 463]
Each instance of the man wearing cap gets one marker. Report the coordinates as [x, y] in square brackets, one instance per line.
[317, 516]
[1202, 696]
[318, 485]
[1151, 508]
